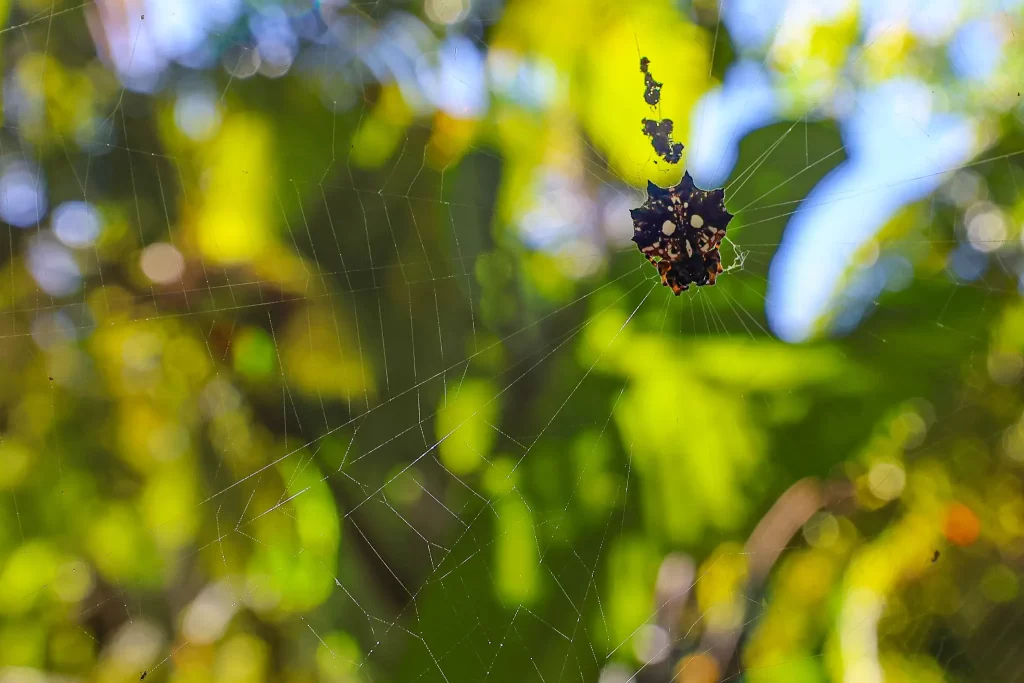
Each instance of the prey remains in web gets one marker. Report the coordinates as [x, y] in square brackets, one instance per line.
[680, 228]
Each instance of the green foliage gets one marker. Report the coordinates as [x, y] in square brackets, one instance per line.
[346, 425]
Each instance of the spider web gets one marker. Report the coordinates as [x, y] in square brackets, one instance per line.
[337, 519]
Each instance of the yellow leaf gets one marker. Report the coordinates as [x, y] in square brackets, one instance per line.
[234, 224]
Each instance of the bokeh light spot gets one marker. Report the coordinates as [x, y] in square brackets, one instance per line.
[961, 525]
[76, 224]
[162, 263]
[196, 114]
[821, 530]
[446, 12]
[53, 267]
[986, 230]
[887, 480]
[22, 195]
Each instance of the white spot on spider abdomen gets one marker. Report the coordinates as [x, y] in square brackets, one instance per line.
[697, 221]
[668, 227]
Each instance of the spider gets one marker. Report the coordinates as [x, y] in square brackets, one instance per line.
[680, 229]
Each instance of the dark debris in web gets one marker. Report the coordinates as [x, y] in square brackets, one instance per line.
[659, 131]
[652, 88]
[679, 229]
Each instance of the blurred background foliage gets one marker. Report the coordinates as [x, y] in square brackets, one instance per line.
[326, 355]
